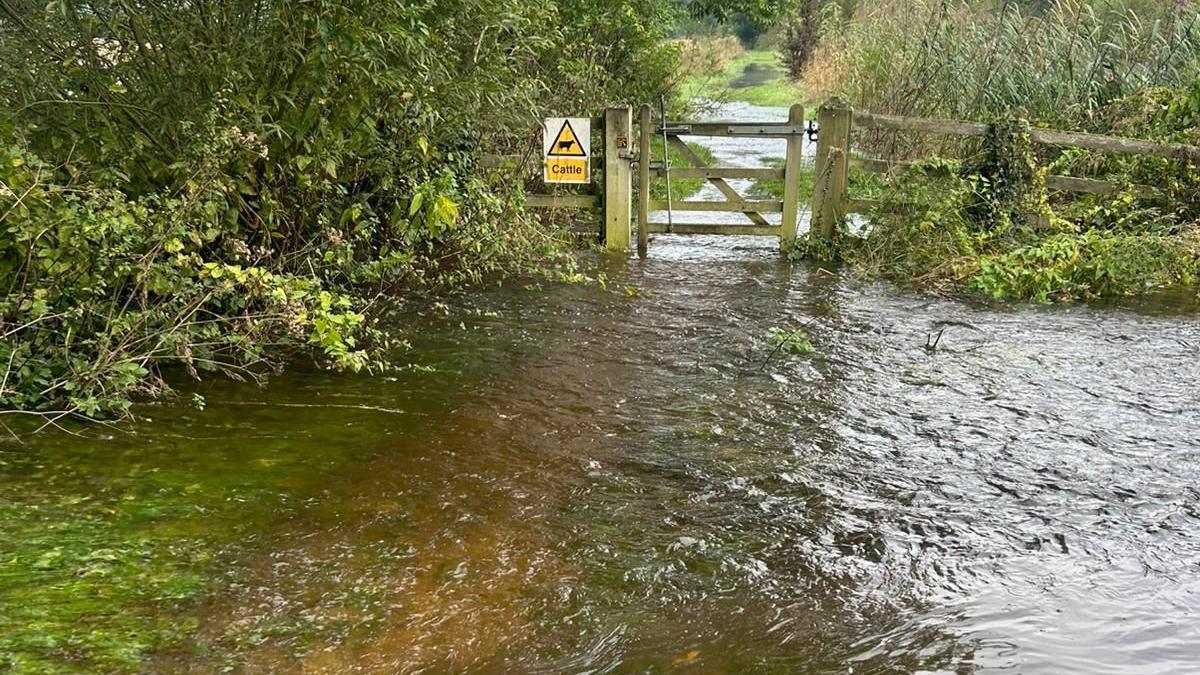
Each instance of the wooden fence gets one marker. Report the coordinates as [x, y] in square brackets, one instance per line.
[830, 199]
[836, 121]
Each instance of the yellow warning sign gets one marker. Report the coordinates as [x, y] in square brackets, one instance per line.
[566, 142]
[566, 170]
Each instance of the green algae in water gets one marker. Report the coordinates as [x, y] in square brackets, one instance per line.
[108, 547]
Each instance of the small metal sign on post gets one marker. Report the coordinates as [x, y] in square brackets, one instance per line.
[566, 142]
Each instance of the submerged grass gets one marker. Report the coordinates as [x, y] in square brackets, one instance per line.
[106, 555]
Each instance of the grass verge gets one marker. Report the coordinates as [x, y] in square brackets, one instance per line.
[681, 188]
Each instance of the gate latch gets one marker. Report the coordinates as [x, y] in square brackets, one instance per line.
[812, 131]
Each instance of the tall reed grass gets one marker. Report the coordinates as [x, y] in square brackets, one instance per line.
[1059, 66]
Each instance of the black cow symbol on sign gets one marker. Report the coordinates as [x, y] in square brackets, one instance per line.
[566, 143]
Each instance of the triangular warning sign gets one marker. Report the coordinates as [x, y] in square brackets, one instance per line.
[566, 143]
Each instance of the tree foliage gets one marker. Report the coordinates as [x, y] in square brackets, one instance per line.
[210, 183]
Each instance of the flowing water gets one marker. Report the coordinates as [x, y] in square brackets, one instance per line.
[634, 479]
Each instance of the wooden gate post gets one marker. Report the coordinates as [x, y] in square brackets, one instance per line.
[791, 181]
[645, 133]
[832, 168]
[618, 187]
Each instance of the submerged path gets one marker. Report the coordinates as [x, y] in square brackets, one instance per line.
[631, 482]
[602, 480]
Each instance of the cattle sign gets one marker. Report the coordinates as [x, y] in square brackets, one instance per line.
[566, 142]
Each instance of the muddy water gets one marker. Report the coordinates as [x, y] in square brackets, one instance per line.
[635, 480]
[634, 484]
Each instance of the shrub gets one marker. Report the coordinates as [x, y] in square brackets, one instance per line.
[220, 184]
[106, 290]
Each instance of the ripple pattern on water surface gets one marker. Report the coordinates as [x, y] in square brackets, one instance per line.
[631, 482]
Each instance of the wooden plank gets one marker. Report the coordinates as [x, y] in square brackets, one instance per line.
[791, 182]
[872, 165]
[725, 188]
[739, 206]
[618, 180]
[1096, 187]
[645, 131]
[562, 201]
[1053, 182]
[766, 129]
[714, 228]
[866, 120]
[719, 172]
[1114, 144]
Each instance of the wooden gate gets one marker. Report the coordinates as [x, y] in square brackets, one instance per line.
[618, 162]
[792, 130]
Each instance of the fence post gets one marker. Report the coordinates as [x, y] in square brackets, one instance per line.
[646, 131]
[831, 169]
[618, 187]
[791, 181]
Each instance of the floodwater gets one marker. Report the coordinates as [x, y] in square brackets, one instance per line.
[633, 479]
[755, 74]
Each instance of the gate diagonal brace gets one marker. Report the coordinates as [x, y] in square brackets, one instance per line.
[725, 188]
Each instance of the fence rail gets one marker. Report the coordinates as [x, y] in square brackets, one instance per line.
[717, 172]
[831, 201]
[713, 228]
[731, 206]
[563, 201]
[1053, 181]
[1073, 139]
